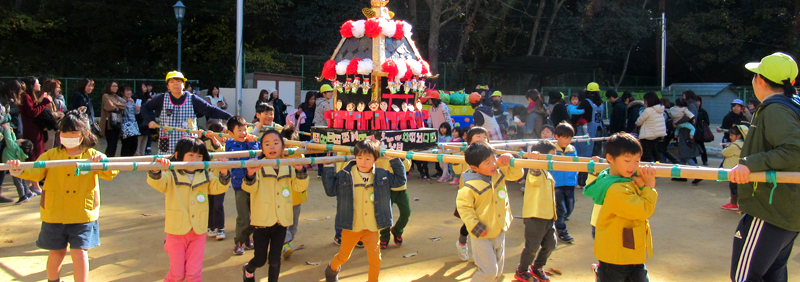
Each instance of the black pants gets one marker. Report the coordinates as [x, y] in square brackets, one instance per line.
[651, 151]
[760, 251]
[664, 146]
[129, 146]
[422, 167]
[538, 233]
[703, 153]
[216, 211]
[112, 137]
[269, 244]
[608, 272]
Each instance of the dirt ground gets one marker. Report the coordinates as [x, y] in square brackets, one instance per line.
[692, 238]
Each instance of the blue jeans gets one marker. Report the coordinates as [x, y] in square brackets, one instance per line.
[565, 203]
[689, 161]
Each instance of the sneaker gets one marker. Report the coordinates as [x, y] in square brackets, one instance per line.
[524, 276]
[696, 181]
[384, 245]
[22, 200]
[463, 251]
[247, 276]
[287, 251]
[36, 193]
[248, 244]
[564, 237]
[594, 269]
[436, 175]
[730, 207]
[360, 244]
[398, 240]
[212, 232]
[539, 274]
[337, 239]
[455, 181]
[239, 249]
[220, 234]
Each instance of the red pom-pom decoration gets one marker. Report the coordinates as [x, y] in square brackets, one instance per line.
[390, 67]
[347, 29]
[329, 70]
[372, 28]
[409, 73]
[400, 31]
[352, 68]
[426, 68]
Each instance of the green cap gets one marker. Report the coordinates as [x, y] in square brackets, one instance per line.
[497, 93]
[593, 86]
[776, 67]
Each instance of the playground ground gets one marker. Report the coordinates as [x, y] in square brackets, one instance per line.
[692, 238]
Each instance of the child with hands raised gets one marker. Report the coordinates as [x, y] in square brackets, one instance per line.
[271, 205]
[70, 203]
[186, 216]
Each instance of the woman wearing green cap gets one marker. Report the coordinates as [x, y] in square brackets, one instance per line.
[763, 240]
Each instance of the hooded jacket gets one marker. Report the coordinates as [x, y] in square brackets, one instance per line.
[652, 123]
[616, 122]
[634, 110]
[772, 143]
[483, 202]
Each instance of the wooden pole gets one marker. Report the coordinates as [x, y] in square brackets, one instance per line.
[206, 132]
[133, 166]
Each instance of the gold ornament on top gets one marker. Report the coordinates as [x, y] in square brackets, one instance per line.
[379, 3]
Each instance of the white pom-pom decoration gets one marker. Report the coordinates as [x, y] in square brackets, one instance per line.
[416, 66]
[406, 29]
[388, 27]
[341, 67]
[401, 69]
[358, 28]
[365, 66]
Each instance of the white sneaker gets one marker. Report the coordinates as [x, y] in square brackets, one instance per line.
[220, 234]
[463, 251]
[212, 233]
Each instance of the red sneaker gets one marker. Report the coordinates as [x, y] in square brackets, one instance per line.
[730, 207]
[384, 245]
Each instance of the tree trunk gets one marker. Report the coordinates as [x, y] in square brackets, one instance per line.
[536, 26]
[412, 5]
[433, 36]
[624, 69]
[558, 4]
[467, 29]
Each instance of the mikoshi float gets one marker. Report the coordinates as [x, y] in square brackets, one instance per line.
[378, 77]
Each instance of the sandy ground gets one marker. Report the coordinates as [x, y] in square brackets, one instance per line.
[692, 238]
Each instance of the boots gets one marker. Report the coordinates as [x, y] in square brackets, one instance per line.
[331, 275]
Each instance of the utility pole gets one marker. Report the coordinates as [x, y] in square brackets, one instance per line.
[239, 57]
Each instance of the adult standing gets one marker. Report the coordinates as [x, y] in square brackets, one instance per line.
[111, 116]
[130, 128]
[29, 109]
[58, 107]
[308, 107]
[635, 108]
[619, 109]
[279, 106]
[439, 112]
[733, 118]
[484, 117]
[145, 138]
[9, 97]
[592, 107]
[263, 97]
[652, 128]
[559, 112]
[81, 99]
[702, 122]
[178, 109]
[537, 114]
[214, 99]
[765, 235]
[324, 103]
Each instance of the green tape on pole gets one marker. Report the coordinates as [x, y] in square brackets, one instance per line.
[39, 164]
[205, 165]
[549, 157]
[575, 159]
[220, 134]
[352, 149]
[104, 160]
[550, 165]
[105, 166]
[171, 166]
[82, 167]
[601, 161]
[277, 162]
[312, 161]
[722, 175]
[410, 155]
[242, 164]
[463, 148]
[155, 157]
[676, 171]
[439, 157]
[328, 148]
[772, 177]
[383, 152]
[511, 163]
[253, 153]
[135, 166]
[590, 166]
[291, 151]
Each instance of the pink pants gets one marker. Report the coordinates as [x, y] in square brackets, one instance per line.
[185, 256]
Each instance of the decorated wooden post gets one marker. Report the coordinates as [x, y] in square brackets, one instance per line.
[378, 77]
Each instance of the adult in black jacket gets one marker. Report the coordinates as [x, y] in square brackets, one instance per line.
[82, 99]
[634, 109]
[701, 120]
[616, 122]
[733, 118]
[559, 112]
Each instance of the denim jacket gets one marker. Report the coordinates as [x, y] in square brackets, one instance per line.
[340, 185]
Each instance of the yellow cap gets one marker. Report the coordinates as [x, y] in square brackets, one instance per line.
[175, 74]
[497, 93]
[743, 129]
[325, 88]
[776, 67]
[593, 86]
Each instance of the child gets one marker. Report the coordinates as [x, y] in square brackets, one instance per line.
[731, 153]
[539, 215]
[678, 112]
[483, 205]
[17, 149]
[186, 193]
[572, 110]
[271, 190]
[400, 198]
[266, 120]
[298, 198]
[216, 203]
[623, 205]
[363, 197]
[457, 137]
[70, 209]
[547, 132]
[445, 135]
[475, 134]
[512, 132]
[241, 141]
[565, 180]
